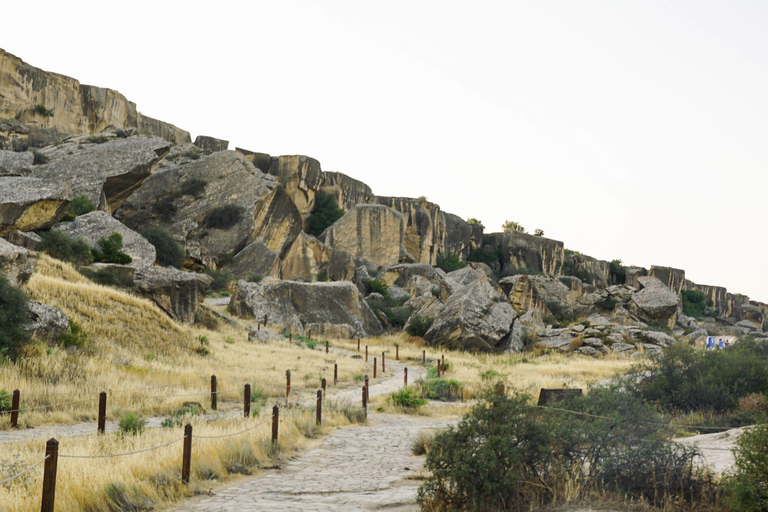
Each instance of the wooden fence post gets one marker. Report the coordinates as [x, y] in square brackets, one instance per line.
[358, 344]
[326, 346]
[102, 412]
[49, 475]
[290, 337]
[383, 363]
[247, 400]
[214, 400]
[335, 373]
[323, 384]
[438, 368]
[287, 383]
[500, 388]
[397, 352]
[15, 408]
[366, 353]
[365, 401]
[374, 367]
[319, 409]
[423, 357]
[265, 320]
[366, 389]
[405, 376]
[186, 458]
[275, 420]
[309, 338]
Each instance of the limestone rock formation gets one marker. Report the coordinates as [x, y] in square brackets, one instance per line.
[31, 203]
[476, 318]
[56, 106]
[632, 274]
[18, 264]
[301, 177]
[176, 292]
[717, 295]
[466, 276]
[289, 302]
[347, 191]
[673, 278]
[47, 323]
[535, 253]
[219, 200]
[107, 168]
[211, 144]
[655, 302]
[93, 226]
[400, 275]
[255, 259]
[308, 257]
[16, 163]
[373, 232]
[590, 270]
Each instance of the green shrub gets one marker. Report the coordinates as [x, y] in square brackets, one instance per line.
[326, 212]
[77, 337]
[618, 272]
[445, 390]
[221, 279]
[397, 316]
[749, 486]
[311, 344]
[14, 313]
[482, 256]
[322, 276]
[407, 397]
[5, 400]
[40, 109]
[418, 325]
[375, 286]
[694, 303]
[223, 217]
[165, 208]
[194, 187]
[450, 262]
[192, 154]
[109, 250]
[510, 225]
[131, 424]
[181, 416]
[168, 252]
[473, 220]
[255, 278]
[60, 246]
[107, 277]
[80, 205]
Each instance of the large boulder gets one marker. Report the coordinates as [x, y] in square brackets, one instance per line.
[466, 276]
[401, 275]
[673, 278]
[177, 293]
[535, 253]
[46, 323]
[27, 204]
[107, 168]
[476, 318]
[347, 191]
[94, 226]
[655, 302]
[13, 163]
[590, 270]
[255, 259]
[292, 303]
[18, 264]
[301, 177]
[308, 257]
[220, 200]
[373, 232]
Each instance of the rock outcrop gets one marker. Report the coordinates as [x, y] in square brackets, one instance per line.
[290, 302]
[476, 318]
[716, 295]
[16, 163]
[373, 232]
[347, 191]
[535, 253]
[55, 106]
[211, 144]
[18, 264]
[47, 323]
[94, 226]
[545, 294]
[107, 168]
[590, 270]
[31, 203]
[401, 275]
[655, 302]
[255, 259]
[673, 278]
[219, 200]
[301, 177]
[308, 257]
[177, 293]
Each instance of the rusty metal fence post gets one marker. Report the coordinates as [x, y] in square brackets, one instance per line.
[49, 475]
[374, 367]
[358, 344]
[275, 421]
[383, 363]
[365, 401]
[265, 320]
[186, 458]
[319, 409]
[214, 400]
[366, 389]
[366, 353]
[423, 357]
[323, 383]
[397, 352]
[326, 346]
[405, 376]
[102, 412]
[287, 383]
[335, 373]
[15, 408]
[247, 400]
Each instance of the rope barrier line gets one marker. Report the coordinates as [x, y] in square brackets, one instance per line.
[49, 406]
[53, 393]
[30, 468]
[120, 454]
[236, 433]
[676, 425]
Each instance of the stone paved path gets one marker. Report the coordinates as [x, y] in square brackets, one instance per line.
[355, 469]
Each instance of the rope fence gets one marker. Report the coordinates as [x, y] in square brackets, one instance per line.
[30, 468]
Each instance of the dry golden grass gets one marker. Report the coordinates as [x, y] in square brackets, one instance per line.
[87, 484]
[137, 351]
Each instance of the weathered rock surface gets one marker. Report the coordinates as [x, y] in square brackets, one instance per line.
[26, 239]
[590, 270]
[289, 302]
[47, 323]
[307, 257]
[76, 109]
[107, 171]
[347, 191]
[524, 330]
[400, 275]
[184, 199]
[632, 274]
[93, 226]
[177, 293]
[752, 314]
[718, 295]
[301, 177]
[14, 163]
[18, 264]
[535, 253]
[333, 331]
[655, 302]
[373, 232]
[476, 318]
[574, 284]
[466, 276]
[27, 204]
[523, 294]
[255, 259]
[673, 278]
[211, 144]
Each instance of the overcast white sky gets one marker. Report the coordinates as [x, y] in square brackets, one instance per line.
[631, 130]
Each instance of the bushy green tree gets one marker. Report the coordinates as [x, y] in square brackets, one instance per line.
[511, 225]
[326, 212]
[109, 250]
[60, 246]
[749, 486]
[168, 252]
[694, 303]
[450, 262]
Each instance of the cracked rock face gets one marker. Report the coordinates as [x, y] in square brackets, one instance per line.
[47, 322]
[18, 264]
[106, 170]
[177, 293]
[655, 302]
[14, 163]
[27, 204]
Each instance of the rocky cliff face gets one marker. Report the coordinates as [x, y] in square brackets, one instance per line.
[347, 191]
[54, 106]
[301, 177]
[674, 278]
[534, 253]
